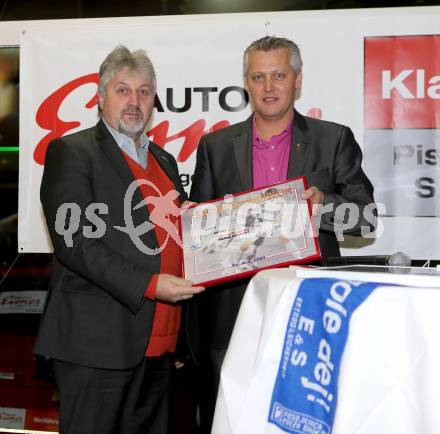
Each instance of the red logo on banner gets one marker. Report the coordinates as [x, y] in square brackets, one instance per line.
[402, 82]
[48, 119]
[47, 114]
[192, 135]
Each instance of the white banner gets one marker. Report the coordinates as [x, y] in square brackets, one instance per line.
[198, 60]
[388, 378]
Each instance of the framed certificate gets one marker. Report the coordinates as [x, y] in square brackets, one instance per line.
[238, 235]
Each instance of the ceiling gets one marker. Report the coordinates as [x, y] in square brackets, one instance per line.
[13, 10]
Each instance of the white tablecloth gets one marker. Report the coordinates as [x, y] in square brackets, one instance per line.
[389, 381]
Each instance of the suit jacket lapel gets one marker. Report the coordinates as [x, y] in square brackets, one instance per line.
[300, 147]
[112, 151]
[168, 168]
[114, 154]
[243, 155]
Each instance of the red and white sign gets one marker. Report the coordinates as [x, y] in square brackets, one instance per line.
[402, 82]
[402, 123]
[41, 420]
[28, 419]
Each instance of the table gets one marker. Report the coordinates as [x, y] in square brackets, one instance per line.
[390, 371]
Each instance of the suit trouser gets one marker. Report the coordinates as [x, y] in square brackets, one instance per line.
[107, 401]
[210, 379]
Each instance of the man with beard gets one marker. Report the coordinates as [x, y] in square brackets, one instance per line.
[113, 314]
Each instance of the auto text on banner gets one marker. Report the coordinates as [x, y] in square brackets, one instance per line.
[304, 396]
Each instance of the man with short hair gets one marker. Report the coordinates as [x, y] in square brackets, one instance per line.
[274, 144]
[112, 315]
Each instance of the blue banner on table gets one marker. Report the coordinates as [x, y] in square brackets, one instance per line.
[305, 393]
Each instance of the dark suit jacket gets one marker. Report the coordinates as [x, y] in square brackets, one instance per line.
[325, 152]
[96, 314]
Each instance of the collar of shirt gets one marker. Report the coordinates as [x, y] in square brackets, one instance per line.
[127, 145]
[274, 141]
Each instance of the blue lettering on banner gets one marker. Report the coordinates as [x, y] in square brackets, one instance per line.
[305, 391]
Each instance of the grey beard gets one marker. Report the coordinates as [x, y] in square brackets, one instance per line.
[131, 130]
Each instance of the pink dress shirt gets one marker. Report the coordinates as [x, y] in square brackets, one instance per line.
[270, 158]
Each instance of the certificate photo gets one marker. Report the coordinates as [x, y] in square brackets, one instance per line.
[239, 235]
